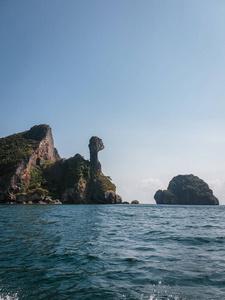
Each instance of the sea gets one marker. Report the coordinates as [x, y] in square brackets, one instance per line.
[88, 252]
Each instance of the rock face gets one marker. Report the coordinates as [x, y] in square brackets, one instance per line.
[31, 171]
[20, 152]
[45, 150]
[135, 202]
[95, 145]
[186, 190]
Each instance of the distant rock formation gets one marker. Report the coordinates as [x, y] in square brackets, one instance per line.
[31, 171]
[186, 190]
[135, 202]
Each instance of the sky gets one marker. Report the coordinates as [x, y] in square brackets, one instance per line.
[147, 77]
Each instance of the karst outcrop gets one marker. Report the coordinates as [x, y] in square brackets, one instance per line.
[186, 190]
[95, 145]
[31, 171]
[135, 202]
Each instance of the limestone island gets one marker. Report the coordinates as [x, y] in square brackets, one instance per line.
[186, 190]
[31, 171]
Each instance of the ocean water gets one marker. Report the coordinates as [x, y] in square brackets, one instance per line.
[112, 252]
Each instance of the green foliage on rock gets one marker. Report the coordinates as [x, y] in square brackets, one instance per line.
[104, 183]
[15, 149]
[186, 190]
[76, 168]
[58, 176]
[36, 177]
[37, 132]
[38, 191]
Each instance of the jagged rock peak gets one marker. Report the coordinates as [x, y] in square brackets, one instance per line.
[46, 151]
[186, 190]
[38, 132]
[95, 145]
[21, 152]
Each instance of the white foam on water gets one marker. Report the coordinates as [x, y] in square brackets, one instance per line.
[9, 297]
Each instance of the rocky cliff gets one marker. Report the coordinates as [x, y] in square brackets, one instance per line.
[186, 190]
[31, 171]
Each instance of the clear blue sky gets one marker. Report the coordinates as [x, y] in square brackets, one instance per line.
[148, 77]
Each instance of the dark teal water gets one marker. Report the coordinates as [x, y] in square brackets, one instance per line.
[112, 252]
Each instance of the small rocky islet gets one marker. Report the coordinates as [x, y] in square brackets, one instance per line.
[186, 190]
[32, 171]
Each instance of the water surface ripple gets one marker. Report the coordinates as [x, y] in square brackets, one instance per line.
[112, 252]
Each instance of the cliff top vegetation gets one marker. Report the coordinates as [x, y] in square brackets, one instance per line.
[17, 148]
